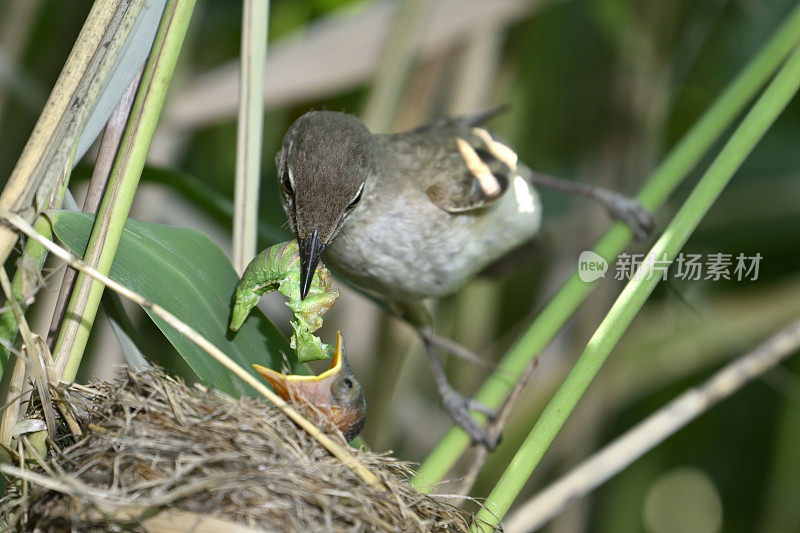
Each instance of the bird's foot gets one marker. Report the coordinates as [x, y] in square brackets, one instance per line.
[629, 211]
[459, 407]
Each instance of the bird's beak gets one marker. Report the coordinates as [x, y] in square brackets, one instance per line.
[311, 249]
[286, 383]
[315, 392]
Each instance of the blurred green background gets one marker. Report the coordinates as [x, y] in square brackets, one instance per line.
[598, 91]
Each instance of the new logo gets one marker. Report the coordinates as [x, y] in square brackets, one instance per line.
[591, 266]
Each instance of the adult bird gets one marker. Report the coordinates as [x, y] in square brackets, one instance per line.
[411, 216]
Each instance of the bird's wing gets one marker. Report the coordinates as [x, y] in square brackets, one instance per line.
[472, 170]
[464, 121]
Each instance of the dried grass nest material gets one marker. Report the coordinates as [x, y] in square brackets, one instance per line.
[157, 455]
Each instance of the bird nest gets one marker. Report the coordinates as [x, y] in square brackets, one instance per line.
[156, 455]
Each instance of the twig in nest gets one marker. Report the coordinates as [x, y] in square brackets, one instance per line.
[37, 355]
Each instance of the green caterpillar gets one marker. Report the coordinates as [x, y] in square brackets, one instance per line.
[278, 268]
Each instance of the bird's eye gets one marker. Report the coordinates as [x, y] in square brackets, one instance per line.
[356, 199]
[346, 390]
[287, 184]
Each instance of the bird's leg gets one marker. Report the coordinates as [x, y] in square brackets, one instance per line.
[453, 348]
[458, 406]
[619, 206]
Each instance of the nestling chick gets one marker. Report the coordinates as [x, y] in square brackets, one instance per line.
[336, 393]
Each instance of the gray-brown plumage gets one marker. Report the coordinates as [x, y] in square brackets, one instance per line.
[413, 215]
[410, 220]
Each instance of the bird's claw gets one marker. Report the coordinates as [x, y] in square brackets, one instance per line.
[459, 408]
[632, 213]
